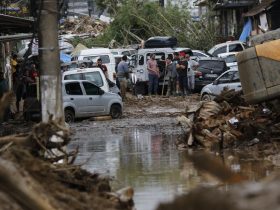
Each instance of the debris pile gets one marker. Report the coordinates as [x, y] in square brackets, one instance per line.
[38, 174]
[228, 121]
[83, 25]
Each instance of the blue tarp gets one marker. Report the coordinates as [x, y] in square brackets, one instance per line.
[247, 29]
[65, 58]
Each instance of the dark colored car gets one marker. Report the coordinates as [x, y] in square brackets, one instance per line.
[209, 69]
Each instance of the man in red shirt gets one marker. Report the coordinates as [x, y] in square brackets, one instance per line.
[102, 67]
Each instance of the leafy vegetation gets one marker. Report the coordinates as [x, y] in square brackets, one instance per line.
[136, 20]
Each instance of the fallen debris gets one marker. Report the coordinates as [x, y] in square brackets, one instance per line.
[83, 25]
[227, 122]
[30, 179]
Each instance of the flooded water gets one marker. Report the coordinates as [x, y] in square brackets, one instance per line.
[150, 163]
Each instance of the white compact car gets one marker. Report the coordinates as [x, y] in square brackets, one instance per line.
[229, 79]
[82, 98]
[230, 46]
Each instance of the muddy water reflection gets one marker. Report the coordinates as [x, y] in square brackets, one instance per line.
[150, 163]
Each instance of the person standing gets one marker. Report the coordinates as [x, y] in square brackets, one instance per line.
[153, 73]
[182, 70]
[171, 75]
[122, 76]
[192, 66]
[33, 72]
[102, 67]
[176, 60]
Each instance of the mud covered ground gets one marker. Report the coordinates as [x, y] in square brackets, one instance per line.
[81, 190]
[72, 188]
[158, 112]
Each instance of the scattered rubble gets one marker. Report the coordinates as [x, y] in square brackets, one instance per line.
[83, 25]
[227, 122]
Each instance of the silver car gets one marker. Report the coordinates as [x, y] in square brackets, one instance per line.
[82, 98]
[229, 79]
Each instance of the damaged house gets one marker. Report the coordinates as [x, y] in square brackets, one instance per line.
[264, 16]
[229, 15]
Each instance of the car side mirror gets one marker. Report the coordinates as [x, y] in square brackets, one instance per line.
[216, 82]
[101, 92]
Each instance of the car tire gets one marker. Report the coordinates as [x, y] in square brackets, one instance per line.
[116, 111]
[69, 116]
[206, 97]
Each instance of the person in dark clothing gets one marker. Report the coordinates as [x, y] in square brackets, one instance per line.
[171, 75]
[182, 70]
[176, 60]
[122, 76]
[23, 83]
[4, 88]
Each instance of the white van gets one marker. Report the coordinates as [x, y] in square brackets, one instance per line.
[123, 51]
[139, 60]
[106, 57]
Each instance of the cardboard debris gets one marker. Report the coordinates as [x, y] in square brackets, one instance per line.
[229, 121]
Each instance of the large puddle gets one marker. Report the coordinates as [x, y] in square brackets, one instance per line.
[151, 164]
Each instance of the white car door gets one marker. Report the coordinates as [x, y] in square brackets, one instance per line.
[74, 95]
[235, 82]
[222, 82]
[95, 101]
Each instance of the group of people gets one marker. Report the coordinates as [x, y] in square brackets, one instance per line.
[179, 71]
[16, 77]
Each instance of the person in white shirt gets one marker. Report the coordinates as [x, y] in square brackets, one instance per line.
[192, 66]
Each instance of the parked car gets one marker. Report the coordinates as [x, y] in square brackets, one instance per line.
[230, 59]
[105, 55]
[82, 98]
[93, 74]
[229, 79]
[230, 46]
[197, 54]
[209, 69]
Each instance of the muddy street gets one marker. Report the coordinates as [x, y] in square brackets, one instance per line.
[140, 151]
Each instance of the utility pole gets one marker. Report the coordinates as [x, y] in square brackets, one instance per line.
[50, 75]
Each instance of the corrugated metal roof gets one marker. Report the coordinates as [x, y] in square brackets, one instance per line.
[11, 25]
[259, 8]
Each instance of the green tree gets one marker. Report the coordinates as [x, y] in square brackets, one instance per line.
[134, 20]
